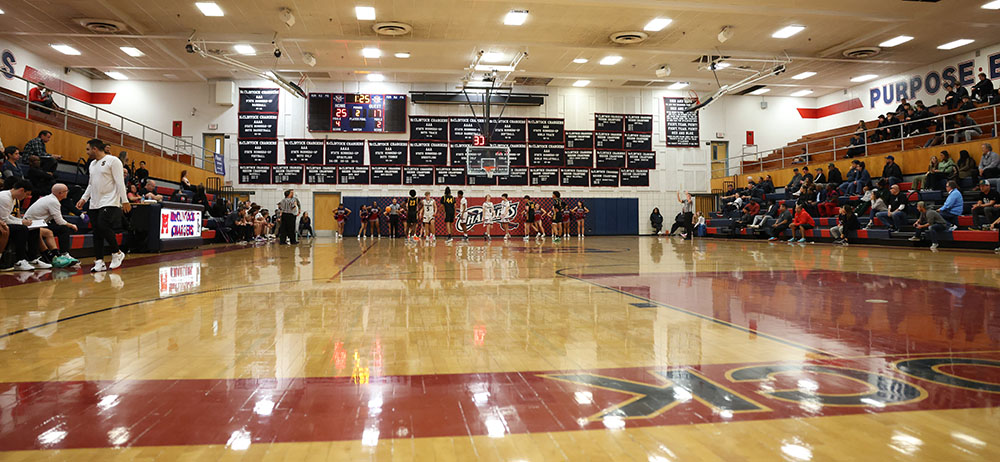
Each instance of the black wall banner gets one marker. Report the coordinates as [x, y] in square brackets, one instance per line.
[257, 151]
[352, 175]
[424, 153]
[253, 125]
[255, 174]
[611, 159]
[580, 158]
[421, 176]
[450, 176]
[609, 122]
[638, 123]
[459, 155]
[575, 177]
[304, 152]
[508, 130]
[632, 177]
[429, 129]
[579, 139]
[388, 152]
[639, 141]
[602, 177]
[387, 174]
[259, 100]
[321, 174]
[481, 180]
[464, 129]
[544, 176]
[609, 140]
[286, 174]
[518, 153]
[682, 128]
[546, 155]
[546, 131]
[345, 152]
[641, 159]
[518, 177]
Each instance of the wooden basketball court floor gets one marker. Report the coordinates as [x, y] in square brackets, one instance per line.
[610, 348]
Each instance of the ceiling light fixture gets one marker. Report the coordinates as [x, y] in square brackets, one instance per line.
[581, 61]
[403, 55]
[760, 91]
[132, 51]
[364, 13]
[244, 49]
[376, 78]
[493, 57]
[678, 86]
[955, 44]
[492, 67]
[516, 17]
[803, 76]
[722, 65]
[66, 49]
[864, 78]
[581, 83]
[788, 31]
[209, 9]
[802, 93]
[371, 53]
[895, 41]
[610, 60]
[116, 75]
[657, 24]
[994, 5]
[1, 12]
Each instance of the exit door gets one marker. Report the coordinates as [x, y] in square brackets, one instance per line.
[323, 206]
[720, 159]
[213, 143]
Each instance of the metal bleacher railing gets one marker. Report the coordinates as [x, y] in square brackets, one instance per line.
[73, 115]
[838, 144]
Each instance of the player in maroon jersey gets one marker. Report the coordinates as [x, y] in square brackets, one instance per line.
[373, 225]
[580, 213]
[340, 214]
[363, 213]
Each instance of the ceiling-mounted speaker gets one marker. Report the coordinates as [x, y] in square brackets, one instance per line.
[725, 34]
[629, 37]
[392, 28]
[225, 93]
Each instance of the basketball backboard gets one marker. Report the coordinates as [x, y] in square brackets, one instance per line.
[487, 161]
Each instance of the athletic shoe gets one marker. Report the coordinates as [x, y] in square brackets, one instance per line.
[39, 264]
[997, 250]
[116, 259]
[98, 267]
[791, 240]
[952, 228]
[556, 239]
[914, 239]
[934, 246]
[802, 240]
[6, 269]
[449, 240]
[22, 265]
[525, 238]
[843, 242]
[772, 239]
[684, 236]
[61, 262]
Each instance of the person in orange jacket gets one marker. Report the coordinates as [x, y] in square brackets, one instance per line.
[802, 221]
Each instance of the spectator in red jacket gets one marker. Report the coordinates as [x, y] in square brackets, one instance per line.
[803, 222]
[829, 207]
[42, 96]
[749, 211]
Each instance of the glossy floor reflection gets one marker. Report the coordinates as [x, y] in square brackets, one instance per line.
[606, 349]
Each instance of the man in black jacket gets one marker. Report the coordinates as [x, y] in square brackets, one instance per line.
[891, 172]
[982, 91]
[820, 178]
[833, 175]
[893, 127]
[794, 184]
[781, 224]
[895, 217]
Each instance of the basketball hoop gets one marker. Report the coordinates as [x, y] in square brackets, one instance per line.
[693, 96]
[489, 170]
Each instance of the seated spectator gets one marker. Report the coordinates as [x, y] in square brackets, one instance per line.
[11, 165]
[767, 185]
[847, 221]
[893, 127]
[656, 221]
[856, 147]
[23, 240]
[768, 217]
[965, 129]
[820, 178]
[828, 207]
[878, 206]
[891, 171]
[679, 223]
[305, 225]
[219, 209]
[239, 225]
[903, 105]
[986, 211]
[141, 174]
[933, 177]
[863, 178]
[954, 97]
[989, 164]
[802, 158]
[862, 127]
[151, 192]
[968, 170]
[782, 223]
[56, 234]
[868, 196]
[42, 96]
[953, 205]
[178, 196]
[41, 181]
[36, 147]
[201, 198]
[833, 174]
[930, 225]
[133, 194]
[185, 183]
[802, 222]
[852, 175]
[895, 217]
[750, 210]
[806, 175]
[794, 184]
[983, 90]
[68, 205]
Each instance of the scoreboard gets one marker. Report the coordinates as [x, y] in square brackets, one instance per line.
[357, 113]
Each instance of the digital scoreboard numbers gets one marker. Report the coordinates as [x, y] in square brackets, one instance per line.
[357, 113]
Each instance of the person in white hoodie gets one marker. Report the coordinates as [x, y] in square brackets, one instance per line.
[108, 200]
[22, 239]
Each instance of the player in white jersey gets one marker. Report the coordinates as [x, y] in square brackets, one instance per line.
[504, 213]
[488, 216]
[463, 207]
[428, 213]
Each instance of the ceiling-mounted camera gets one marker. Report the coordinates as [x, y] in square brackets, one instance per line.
[189, 47]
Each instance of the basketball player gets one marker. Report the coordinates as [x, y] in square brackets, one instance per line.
[364, 221]
[504, 222]
[580, 212]
[412, 204]
[429, 211]
[488, 217]
[529, 216]
[566, 219]
[373, 216]
[463, 208]
[558, 209]
[448, 202]
[340, 214]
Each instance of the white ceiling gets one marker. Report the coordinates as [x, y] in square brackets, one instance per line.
[447, 34]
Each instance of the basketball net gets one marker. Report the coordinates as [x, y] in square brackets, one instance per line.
[489, 170]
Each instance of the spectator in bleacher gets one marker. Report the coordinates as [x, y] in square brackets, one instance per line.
[802, 158]
[953, 205]
[810, 197]
[767, 185]
[305, 225]
[141, 174]
[856, 148]
[41, 181]
[895, 217]
[879, 133]
[802, 222]
[989, 164]
[185, 183]
[806, 175]
[108, 202]
[820, 178]
[903, 105]
[828, 205]
[781, 223]
[968, 170]
[178, 196]
[201, 197]
[930, 225]
[967, 104]
[151, 192]
[847, 221]
[42, 96]
[11, 165]
[983, 90]
[862, 127]
[852, 174]
[891, 171]
[964, 129]
[833, 175]
[750, 210]
[36, 147]
[23, 240]
[767, 218]
[133, 194]
[934, 175]
[219, 209]
[955, 94]
[877, 203]
[893, 127]
[948, 168]
[655, 221]
[987, 209]
[48, 208]
[862, 179]
[794, 184]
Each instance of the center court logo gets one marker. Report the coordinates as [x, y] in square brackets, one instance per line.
[474, 216]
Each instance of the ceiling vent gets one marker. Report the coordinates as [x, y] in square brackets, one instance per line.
[629, 37]
[532, 81]
[101, 26]
[392, 28]
[862, 52]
